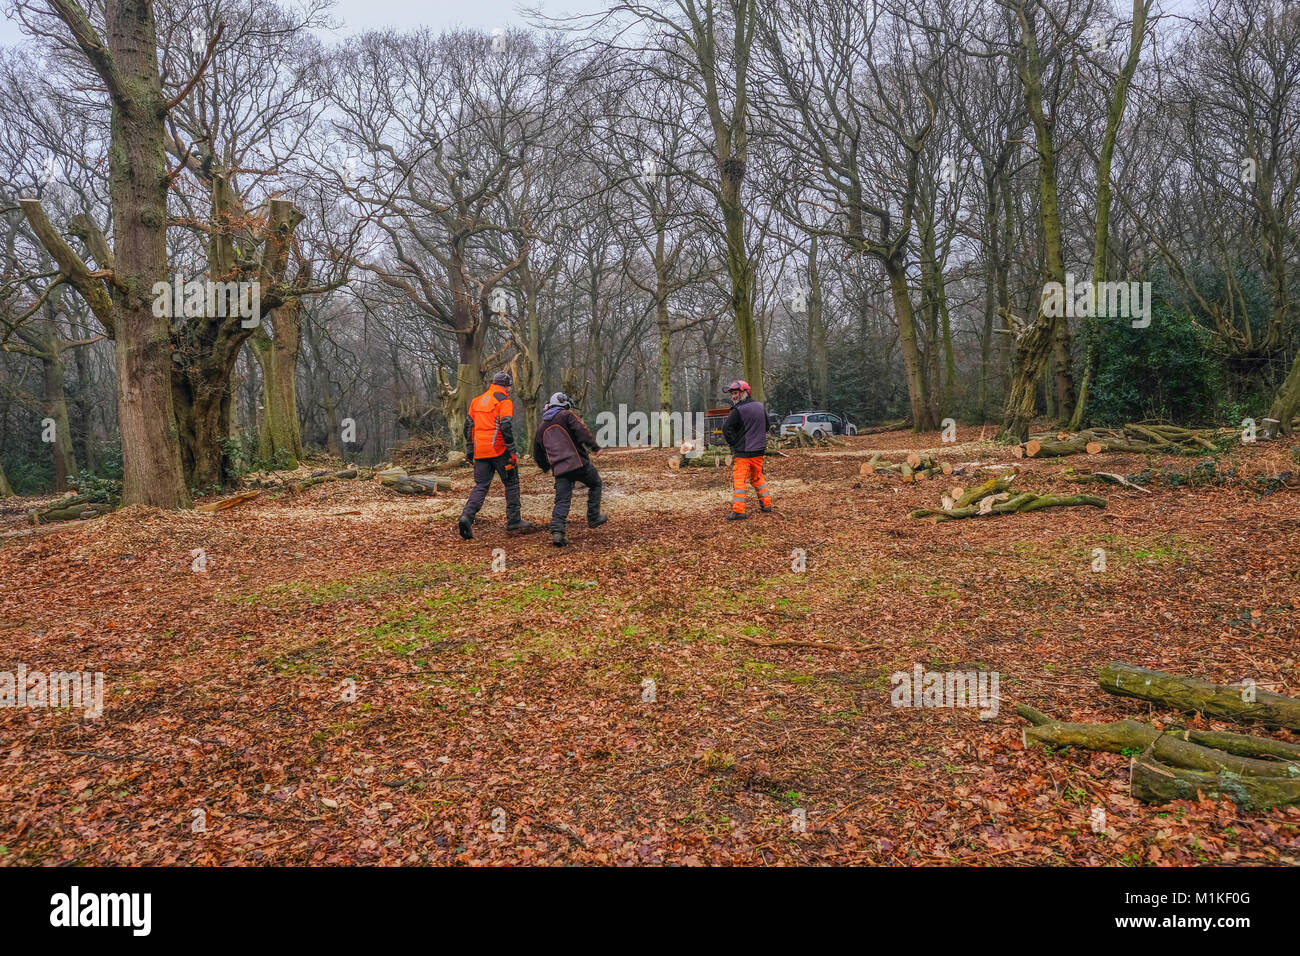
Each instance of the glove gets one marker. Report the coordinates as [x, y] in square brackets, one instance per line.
[514, 460]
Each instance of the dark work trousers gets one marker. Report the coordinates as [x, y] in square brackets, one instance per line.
[484, 469]
[564, 494]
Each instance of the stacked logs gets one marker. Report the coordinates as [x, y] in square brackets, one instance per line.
[1181, 764]
[994, 497]
[399, 481]
[1132, 438]
[713, 456]
[915, 467]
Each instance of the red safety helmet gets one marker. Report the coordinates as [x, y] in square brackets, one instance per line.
[740, 384]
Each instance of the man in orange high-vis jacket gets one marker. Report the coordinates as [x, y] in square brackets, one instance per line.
[745, 430]
[490, 444]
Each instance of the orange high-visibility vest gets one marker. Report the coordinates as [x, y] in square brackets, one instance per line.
[486, 411]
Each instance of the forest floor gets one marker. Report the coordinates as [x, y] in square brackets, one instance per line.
[499, 714]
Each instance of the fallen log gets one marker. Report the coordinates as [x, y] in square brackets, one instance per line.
[346, 474]
[1172, 766]
[993, 497]
[1133, 735]
[1243, 744]
[886, 427]
[1153, 782]
[1239, 703]
[419, 485]
[69, 509]
[225, 503]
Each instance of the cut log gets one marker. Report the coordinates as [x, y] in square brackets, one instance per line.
[1169, 748]
[1093, 448]
[1199, 696]
[419, 485]
[345, 475]
[1243, 744]
[1154, 782]
[913, 459]
[1032, 448]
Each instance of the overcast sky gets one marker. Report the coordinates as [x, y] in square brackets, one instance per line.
[361, 15]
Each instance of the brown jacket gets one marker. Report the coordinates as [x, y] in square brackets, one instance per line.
[562, 441]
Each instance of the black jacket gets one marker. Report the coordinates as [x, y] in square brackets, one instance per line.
[745, 429]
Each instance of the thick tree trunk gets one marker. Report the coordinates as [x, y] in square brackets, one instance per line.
[818, 362]
[913, 368]
[6, 489]
[280, 435]
[469, 383]
[740, 274]
[1287, 401]
[152, 471]
[1031, 352]
[1050, 335]
[56, 407]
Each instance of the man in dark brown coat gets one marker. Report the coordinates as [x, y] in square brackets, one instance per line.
[562, 446]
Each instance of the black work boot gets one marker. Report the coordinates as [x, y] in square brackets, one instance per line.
[558, 539]
[464, 526]
[521, 527]
[766, 509]
[597, 521]
[737, 516]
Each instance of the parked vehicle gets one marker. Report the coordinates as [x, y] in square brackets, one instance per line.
[817, 424]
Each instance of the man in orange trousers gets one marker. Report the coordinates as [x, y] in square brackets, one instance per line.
[746, 432]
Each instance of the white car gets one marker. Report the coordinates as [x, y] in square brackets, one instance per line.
[817, 424]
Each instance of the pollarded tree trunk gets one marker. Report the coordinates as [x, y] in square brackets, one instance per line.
[6, 489]
[1049, 335]
[469, 383]
[277, 356]
[1026, 371]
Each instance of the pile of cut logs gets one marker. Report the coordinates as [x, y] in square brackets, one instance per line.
[913, 468]
[1132, 438]
[1182, 764]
